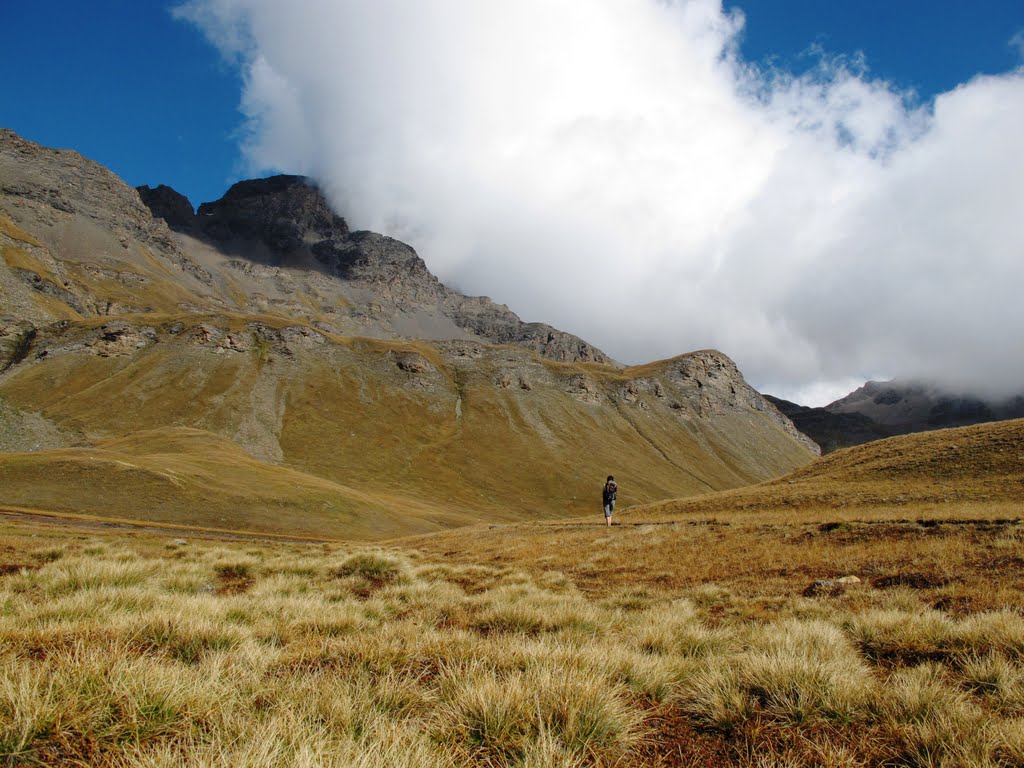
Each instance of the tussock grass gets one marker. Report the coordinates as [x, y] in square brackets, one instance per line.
[124, 652]
[687, 641]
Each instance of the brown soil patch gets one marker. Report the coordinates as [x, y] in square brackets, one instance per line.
[6, 569]
[675, 742]
[234, 585]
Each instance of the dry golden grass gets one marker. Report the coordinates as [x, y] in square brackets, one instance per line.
[946, 524]
[946, 469]
[18, 258]
[13, 231]
[682, 636]
[130, 650]
[189, 477]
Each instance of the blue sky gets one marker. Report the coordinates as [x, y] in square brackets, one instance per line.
[124, 83]
[929, 47]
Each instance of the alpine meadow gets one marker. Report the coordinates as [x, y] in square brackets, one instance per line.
[273, 494]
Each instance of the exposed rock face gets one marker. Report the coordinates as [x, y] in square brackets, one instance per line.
[712, 384]
[51, 185]
[280, 211]
[169, 205]
[497, 322]
[15, 340]
[391, 268]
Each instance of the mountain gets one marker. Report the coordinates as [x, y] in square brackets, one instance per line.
[257, 364]
[913, 406]
[831, 431]
[881, 409]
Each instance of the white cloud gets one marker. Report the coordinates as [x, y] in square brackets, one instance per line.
[1017, 41]
[612, 167]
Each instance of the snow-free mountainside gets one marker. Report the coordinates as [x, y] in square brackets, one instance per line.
[260, 366]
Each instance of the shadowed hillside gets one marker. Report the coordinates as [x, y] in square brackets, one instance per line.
[881, 409]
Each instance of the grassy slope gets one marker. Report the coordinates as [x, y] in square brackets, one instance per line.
[684, 640]
[449, 446]
[945, 505]
[980, 464]
[190, 477]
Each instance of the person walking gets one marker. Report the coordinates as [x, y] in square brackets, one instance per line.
[608, 497]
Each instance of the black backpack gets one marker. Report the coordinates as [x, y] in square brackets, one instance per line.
[609, 491]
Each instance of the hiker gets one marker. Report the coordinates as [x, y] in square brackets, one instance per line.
[608, 497]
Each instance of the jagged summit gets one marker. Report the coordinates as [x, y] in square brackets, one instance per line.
[281, 211]
[170, 205]
[282, 228]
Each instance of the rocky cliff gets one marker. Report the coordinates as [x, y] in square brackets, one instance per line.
[285, 224]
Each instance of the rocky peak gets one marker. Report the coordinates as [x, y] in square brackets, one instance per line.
[712, 383]
[65, 181]
[290, 216]
[283, 212]
[285, 222]
[170, 205]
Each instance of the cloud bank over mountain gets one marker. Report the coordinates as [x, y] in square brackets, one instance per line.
[613, 167]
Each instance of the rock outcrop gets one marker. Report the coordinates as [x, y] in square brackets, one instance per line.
[170, 205]
[15, 340]
[282, 212]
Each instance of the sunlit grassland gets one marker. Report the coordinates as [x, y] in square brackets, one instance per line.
[685, 635]
[135, 651]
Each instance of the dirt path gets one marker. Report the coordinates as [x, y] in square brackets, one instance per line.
[59, 520]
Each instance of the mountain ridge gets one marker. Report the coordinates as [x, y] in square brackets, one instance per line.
[325, 351]
[880, 409]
